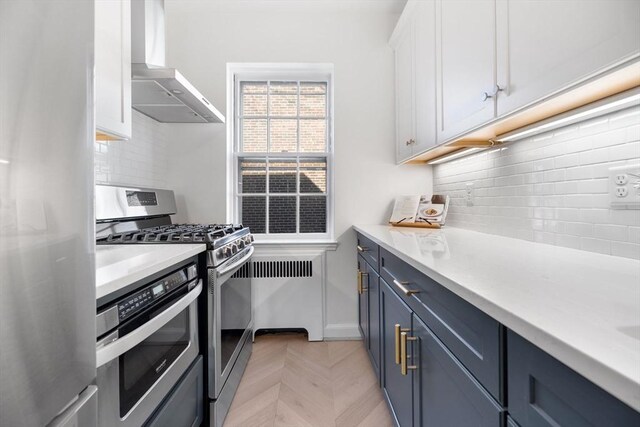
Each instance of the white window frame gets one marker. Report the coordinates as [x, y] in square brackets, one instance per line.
[279, 72]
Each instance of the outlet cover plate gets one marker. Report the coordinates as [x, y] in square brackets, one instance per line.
[624, 187]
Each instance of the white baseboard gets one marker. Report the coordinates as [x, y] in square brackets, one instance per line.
[342, 331]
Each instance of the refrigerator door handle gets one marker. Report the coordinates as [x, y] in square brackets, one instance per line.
[120, 346]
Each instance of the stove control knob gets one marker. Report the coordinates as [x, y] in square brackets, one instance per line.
[226, 251]
[250, 237]
[234, 248]
[240, 244]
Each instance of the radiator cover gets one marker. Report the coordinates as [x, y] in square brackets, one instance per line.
[288, 291]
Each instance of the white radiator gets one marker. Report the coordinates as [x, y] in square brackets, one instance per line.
[288, 290]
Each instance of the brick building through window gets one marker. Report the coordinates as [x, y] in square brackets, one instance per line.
[282, 153]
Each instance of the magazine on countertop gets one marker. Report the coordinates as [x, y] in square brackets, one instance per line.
[414, 209]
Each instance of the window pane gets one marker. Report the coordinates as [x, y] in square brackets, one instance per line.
[283, 99]
[313, 175]
[282, 176]
[313, 214]
[313, 105]
[309, 88]
[254, 99]
[253, 174]
[282, 214]
[254, 135]
[313, 136]
[253, 210]
[284, 135]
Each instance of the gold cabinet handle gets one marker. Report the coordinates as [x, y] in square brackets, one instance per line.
[398, 331]
[403, 353]
[359, 282]
[362, 248]
[362, 287]
[403, 288]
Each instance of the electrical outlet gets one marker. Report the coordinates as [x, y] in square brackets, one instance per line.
[622, 191]
[624, 187]
[621, 179]
[468, 195]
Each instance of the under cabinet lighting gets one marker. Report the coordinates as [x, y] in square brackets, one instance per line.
[607, 105]
[455, 155]
[4, 162]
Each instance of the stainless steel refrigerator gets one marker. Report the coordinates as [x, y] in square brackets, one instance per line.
[47, 278]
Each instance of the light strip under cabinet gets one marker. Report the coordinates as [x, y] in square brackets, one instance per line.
[604, 106]
[455, 155]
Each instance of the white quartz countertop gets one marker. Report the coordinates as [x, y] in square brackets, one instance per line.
[582, 308]
[118, 266]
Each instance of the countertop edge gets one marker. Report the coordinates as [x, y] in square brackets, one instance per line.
[109, 287]
[611, 380]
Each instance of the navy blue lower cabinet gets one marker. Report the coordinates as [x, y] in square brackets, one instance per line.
[363, 301]
[511, 422]
[373, 294]
[444, 392]
[369, 250]
[472, 335]
[544, 392]
[397, 387]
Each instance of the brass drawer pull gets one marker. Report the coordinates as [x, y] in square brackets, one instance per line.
[407, 292]
[398, 330]
[362, 248]
[361, 288]
[403, 353]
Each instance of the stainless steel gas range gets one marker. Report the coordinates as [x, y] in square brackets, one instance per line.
[142, 216]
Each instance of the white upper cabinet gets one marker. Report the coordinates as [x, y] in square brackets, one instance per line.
[466, 65]
[113, 68]
[544, 46]
[404, 49]
[413, 42]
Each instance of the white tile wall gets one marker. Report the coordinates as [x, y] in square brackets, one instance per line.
[551, 188]
[142, 161]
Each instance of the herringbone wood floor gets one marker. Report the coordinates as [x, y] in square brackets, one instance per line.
[292, 382]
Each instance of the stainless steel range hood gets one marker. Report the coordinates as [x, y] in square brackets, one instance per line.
[160, 92]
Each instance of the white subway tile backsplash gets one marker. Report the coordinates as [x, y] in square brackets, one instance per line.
[551, 188]
[142, 161]
[628, 250]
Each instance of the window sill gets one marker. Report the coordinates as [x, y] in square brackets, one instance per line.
[327, 245]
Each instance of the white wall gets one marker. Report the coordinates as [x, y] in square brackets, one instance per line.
[551, 188]
[203, 36]
[141, 161]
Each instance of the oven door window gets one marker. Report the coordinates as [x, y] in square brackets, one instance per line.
[144, 364]
[235, 308]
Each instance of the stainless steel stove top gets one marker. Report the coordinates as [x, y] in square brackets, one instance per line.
[142, 216]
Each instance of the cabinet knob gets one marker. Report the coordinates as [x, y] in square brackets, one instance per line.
[486, 96]
[412, 141]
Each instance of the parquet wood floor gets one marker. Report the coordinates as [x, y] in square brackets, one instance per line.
[290, 382]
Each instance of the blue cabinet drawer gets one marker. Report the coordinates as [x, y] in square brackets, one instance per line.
[472, 336]
[545, 392]
[369, 251]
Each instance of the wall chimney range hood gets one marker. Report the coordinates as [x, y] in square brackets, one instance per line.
[160, 92]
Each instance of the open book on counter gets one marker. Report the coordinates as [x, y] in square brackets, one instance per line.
[420, 211]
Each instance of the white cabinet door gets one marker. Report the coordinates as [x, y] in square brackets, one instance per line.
[425, 75]
[404, 47]
[113, 67]
[546, 45]
[466, 59]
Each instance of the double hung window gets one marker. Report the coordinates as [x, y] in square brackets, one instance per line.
[282, 155]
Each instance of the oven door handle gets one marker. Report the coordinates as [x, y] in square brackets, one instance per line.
[120, 346]
[237, 263]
